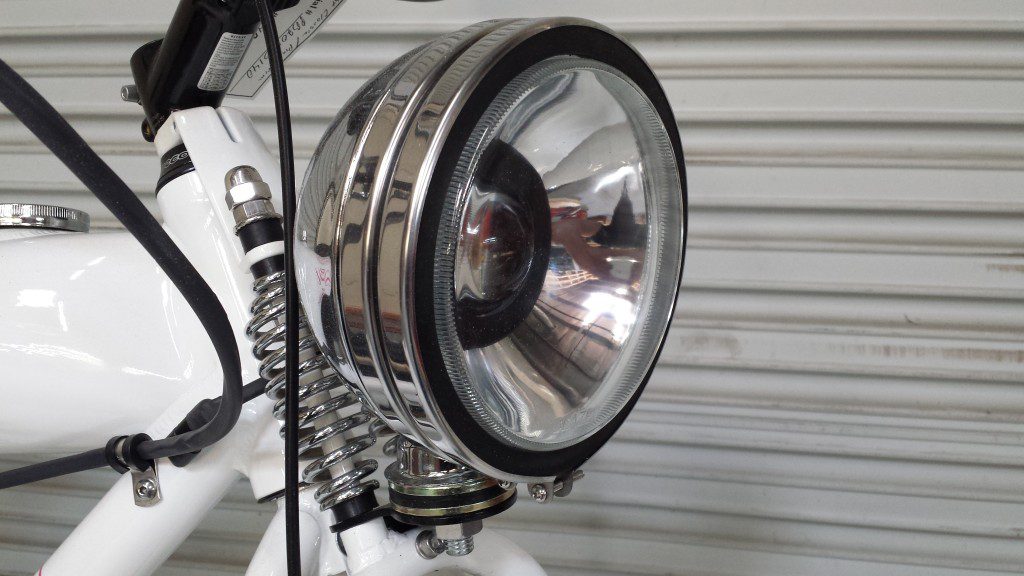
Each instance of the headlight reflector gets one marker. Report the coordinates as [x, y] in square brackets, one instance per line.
[490, 241]
[558, 350]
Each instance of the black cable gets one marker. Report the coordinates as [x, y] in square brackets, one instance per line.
[291, 438]
[53, 130]
[92, 459]
[95, 458]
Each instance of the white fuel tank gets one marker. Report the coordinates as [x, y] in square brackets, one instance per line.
[94, 340]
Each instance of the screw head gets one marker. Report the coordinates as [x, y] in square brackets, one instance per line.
[146, 489]
[539, 492]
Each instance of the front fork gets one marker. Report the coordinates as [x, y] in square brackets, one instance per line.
[120, 538]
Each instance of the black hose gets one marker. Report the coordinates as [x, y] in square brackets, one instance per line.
[291, 421]
[53, 130]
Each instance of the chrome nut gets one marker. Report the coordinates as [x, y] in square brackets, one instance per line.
[247, 192]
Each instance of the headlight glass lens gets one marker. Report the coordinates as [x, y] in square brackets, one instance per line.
[558, 253]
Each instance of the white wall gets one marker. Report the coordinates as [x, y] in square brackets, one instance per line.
[842, 393]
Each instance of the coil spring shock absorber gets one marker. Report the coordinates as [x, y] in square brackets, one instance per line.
[323, 396]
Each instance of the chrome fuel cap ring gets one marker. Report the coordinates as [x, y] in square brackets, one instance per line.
[16, 215]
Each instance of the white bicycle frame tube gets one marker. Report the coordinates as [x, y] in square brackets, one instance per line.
[107, 346]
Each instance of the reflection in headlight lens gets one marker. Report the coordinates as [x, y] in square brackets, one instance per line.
[557, 254]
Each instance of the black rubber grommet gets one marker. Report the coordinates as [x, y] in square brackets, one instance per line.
[354, 507]
[267, 266]
[111, 454]
[130, 453]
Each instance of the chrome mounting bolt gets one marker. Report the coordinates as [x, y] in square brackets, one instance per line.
[453, 539]
[458, 538]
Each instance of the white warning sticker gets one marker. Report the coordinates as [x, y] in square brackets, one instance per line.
[294, 26]
[224, 61]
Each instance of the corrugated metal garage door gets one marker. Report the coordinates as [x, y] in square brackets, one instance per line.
[842, 393]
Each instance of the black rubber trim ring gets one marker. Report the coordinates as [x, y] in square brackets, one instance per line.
[267, 266]
[260, 232]
[456, 518]
[574, 40]
[448, 501]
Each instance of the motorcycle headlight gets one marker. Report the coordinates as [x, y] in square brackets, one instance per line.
[490, 238]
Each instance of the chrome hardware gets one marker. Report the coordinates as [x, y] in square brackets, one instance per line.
[453, 539]
[561, 487]
[540, 493]
[458, 538]
[323, 398]
[146, 487]
[428, 490]
[248, 196]
[428, 546]
[43, 216]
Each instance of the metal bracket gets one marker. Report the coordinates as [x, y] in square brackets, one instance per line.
[146, 487]
[561, 487]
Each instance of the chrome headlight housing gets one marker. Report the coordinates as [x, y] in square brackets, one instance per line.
[490, 238]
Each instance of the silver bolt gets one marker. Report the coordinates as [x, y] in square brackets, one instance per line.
[460, 547]
[146, 489]
[539, 492]
[458, 538]
[130, 93]
[507, 485]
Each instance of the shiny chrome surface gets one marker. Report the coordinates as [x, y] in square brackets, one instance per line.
[248, 196]
[339, 209]
[602, 161]
[359, 223]
[13, 215]
[433, 481]
[419, 472]
[323, 396]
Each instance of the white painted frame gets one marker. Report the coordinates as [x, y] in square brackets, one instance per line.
[119, 538]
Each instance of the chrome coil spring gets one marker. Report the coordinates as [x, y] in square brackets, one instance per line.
[322, 395]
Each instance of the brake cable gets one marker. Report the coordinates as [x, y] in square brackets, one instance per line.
[291, 419]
